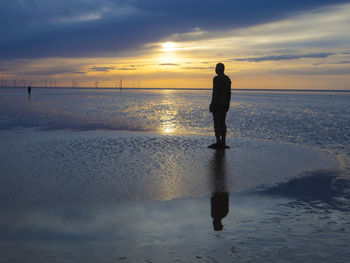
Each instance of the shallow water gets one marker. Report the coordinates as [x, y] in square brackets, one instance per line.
[260, 227]
[312, 118]
[64, 168]
[141, 190]
[320, 119]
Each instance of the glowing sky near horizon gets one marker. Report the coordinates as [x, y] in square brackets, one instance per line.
[176, 44]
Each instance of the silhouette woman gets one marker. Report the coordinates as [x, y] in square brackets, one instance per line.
[219, 200]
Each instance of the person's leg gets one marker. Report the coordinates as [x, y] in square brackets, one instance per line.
[223, 128]
[217, 123]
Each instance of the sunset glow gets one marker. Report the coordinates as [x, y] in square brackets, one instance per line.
[168, 46]
[308, 49]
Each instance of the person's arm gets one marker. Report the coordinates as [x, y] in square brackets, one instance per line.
[228, 94]
[213, 95]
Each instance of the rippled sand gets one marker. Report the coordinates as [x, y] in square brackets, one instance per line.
[72, 168]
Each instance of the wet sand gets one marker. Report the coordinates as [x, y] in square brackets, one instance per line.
[62, 167]
[142, 197]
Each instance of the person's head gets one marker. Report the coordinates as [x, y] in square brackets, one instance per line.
[220, 68]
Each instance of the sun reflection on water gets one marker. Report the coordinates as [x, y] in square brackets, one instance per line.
[168, 121]
[167, 128]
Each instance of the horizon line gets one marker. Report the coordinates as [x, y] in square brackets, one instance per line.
[130, 88]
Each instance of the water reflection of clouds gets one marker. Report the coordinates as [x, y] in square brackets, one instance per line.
[132, 229]
[124, 223]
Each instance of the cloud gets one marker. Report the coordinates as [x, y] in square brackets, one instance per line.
[168, 64]
[302, 71]
[316, 72]
[342, 62]
[197, 68]
[285, 57]
[103, 69]
[126, 68]
[49, 71]
[86, 28]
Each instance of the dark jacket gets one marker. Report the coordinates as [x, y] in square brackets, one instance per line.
[221, 97]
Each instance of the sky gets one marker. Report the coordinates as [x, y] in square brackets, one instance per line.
[270, 44]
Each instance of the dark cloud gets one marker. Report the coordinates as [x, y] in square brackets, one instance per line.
[285, 57]
[315, 72]
[103, 69]
[343, 62]
[126, 68]
[85, 28]
[47, 72]
[168, 64]
[197, 67]
[6, 68]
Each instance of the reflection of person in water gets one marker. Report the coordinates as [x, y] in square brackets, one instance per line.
[219, 200]
[220, 104]
[29, 90]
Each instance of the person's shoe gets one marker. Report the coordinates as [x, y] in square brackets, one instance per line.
[214, 146]
[223, 140]
[223, 143]
[218, 146]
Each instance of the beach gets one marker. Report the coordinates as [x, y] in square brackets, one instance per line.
[103, 175]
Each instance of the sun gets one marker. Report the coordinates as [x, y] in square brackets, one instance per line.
[168, 46]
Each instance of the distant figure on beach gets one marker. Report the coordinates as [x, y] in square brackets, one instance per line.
[219, 201]
[219, 106]
[29, 90]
